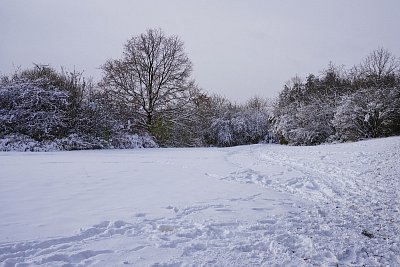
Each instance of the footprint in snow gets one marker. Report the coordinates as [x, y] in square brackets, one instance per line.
[261, 209]
[267, 221]
[226, 210]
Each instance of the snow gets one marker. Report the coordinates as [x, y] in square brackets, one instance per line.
[258, 205]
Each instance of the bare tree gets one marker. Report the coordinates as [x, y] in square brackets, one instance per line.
[380, 63]
[152, 77]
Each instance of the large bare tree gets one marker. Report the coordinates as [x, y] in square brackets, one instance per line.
[380, 63]
[152, 77]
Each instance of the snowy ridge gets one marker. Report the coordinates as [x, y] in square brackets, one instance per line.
[262, 205]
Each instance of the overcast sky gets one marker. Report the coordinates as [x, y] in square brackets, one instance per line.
[238, 48]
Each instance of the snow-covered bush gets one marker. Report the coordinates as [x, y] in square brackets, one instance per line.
[368, 113]
[304, 109]
[220, 133]
[18, 142]
[129, 141]
[240, 128]
[80, 142]
[305, 124]
[29, 108]
[23, 143]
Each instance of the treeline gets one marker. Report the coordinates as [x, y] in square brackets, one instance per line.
[147, 98]
[341, 105]
[42, 109]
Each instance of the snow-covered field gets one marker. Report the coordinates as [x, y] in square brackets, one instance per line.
[260, 205]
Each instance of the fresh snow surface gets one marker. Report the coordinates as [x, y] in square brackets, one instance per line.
[260, 205]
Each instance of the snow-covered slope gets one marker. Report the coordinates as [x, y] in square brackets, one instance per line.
[261, 205]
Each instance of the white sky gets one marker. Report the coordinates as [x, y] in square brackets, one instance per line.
[238, 48]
